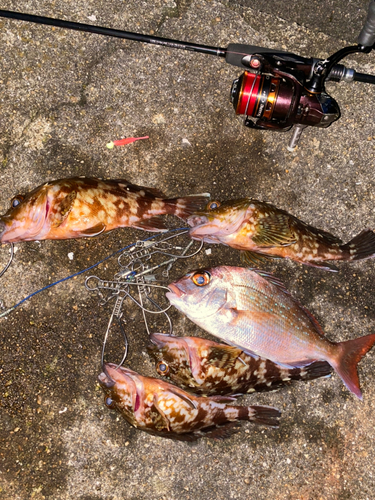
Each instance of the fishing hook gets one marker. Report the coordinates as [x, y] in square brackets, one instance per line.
[116, 313]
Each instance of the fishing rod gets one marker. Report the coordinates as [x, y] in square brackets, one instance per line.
[278, 90]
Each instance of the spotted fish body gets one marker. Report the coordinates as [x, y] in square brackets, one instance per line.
[209, 368]
[263, 231]
[84, 207]
[160, 408]
[253, 311]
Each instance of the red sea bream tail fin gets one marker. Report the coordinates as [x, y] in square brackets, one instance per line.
[352, 351]
[188, 205]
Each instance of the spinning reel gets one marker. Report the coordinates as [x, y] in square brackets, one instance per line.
[278, 90]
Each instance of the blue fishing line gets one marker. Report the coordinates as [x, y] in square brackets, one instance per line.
[84, 270]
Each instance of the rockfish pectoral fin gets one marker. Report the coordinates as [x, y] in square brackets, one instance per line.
[254, 258]
[90, 232]
[154, 224]
[327, 266]
[158, 417]
[182, 395]
[274, 231]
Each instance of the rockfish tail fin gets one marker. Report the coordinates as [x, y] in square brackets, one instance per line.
[186, 206]
[315, 370]
[361, 246]
[263, 415]
[352, 351]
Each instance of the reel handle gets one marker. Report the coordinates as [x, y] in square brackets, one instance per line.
[367, 36]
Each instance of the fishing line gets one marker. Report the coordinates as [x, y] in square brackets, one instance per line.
[10, 260]
[11, 309]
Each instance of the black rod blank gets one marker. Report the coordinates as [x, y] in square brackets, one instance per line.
[98, 30]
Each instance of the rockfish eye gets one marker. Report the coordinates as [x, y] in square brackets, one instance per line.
[16, 201]
[108, 401]
[212, 205]
[201, 278]
[162, 368]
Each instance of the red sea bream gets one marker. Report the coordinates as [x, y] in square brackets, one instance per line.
[253, 311]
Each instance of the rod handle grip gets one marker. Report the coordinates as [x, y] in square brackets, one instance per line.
[367, 36]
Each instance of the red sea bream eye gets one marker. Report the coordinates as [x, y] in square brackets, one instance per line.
[201, 278]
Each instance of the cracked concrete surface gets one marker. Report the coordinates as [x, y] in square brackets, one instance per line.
[63, 96]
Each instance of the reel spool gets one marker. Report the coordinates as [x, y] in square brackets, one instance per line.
[270, 101]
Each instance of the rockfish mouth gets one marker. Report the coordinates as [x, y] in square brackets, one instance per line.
[201, 226]
[197, 220]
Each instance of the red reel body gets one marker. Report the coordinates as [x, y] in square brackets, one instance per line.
[275, 101]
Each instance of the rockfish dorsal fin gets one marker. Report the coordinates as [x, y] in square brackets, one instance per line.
[223, 399]
[274, 230]
[133, 188]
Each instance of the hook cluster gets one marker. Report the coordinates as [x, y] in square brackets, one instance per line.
[142, 273]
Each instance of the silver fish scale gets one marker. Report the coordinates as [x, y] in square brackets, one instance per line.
[262, 326]
[265, 320]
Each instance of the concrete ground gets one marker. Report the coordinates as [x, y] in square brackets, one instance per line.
[63, 96]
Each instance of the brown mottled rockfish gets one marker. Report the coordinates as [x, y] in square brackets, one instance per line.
[253, 311]
[84, 207]
[209, 368]
[162, 409]
[263, 231]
